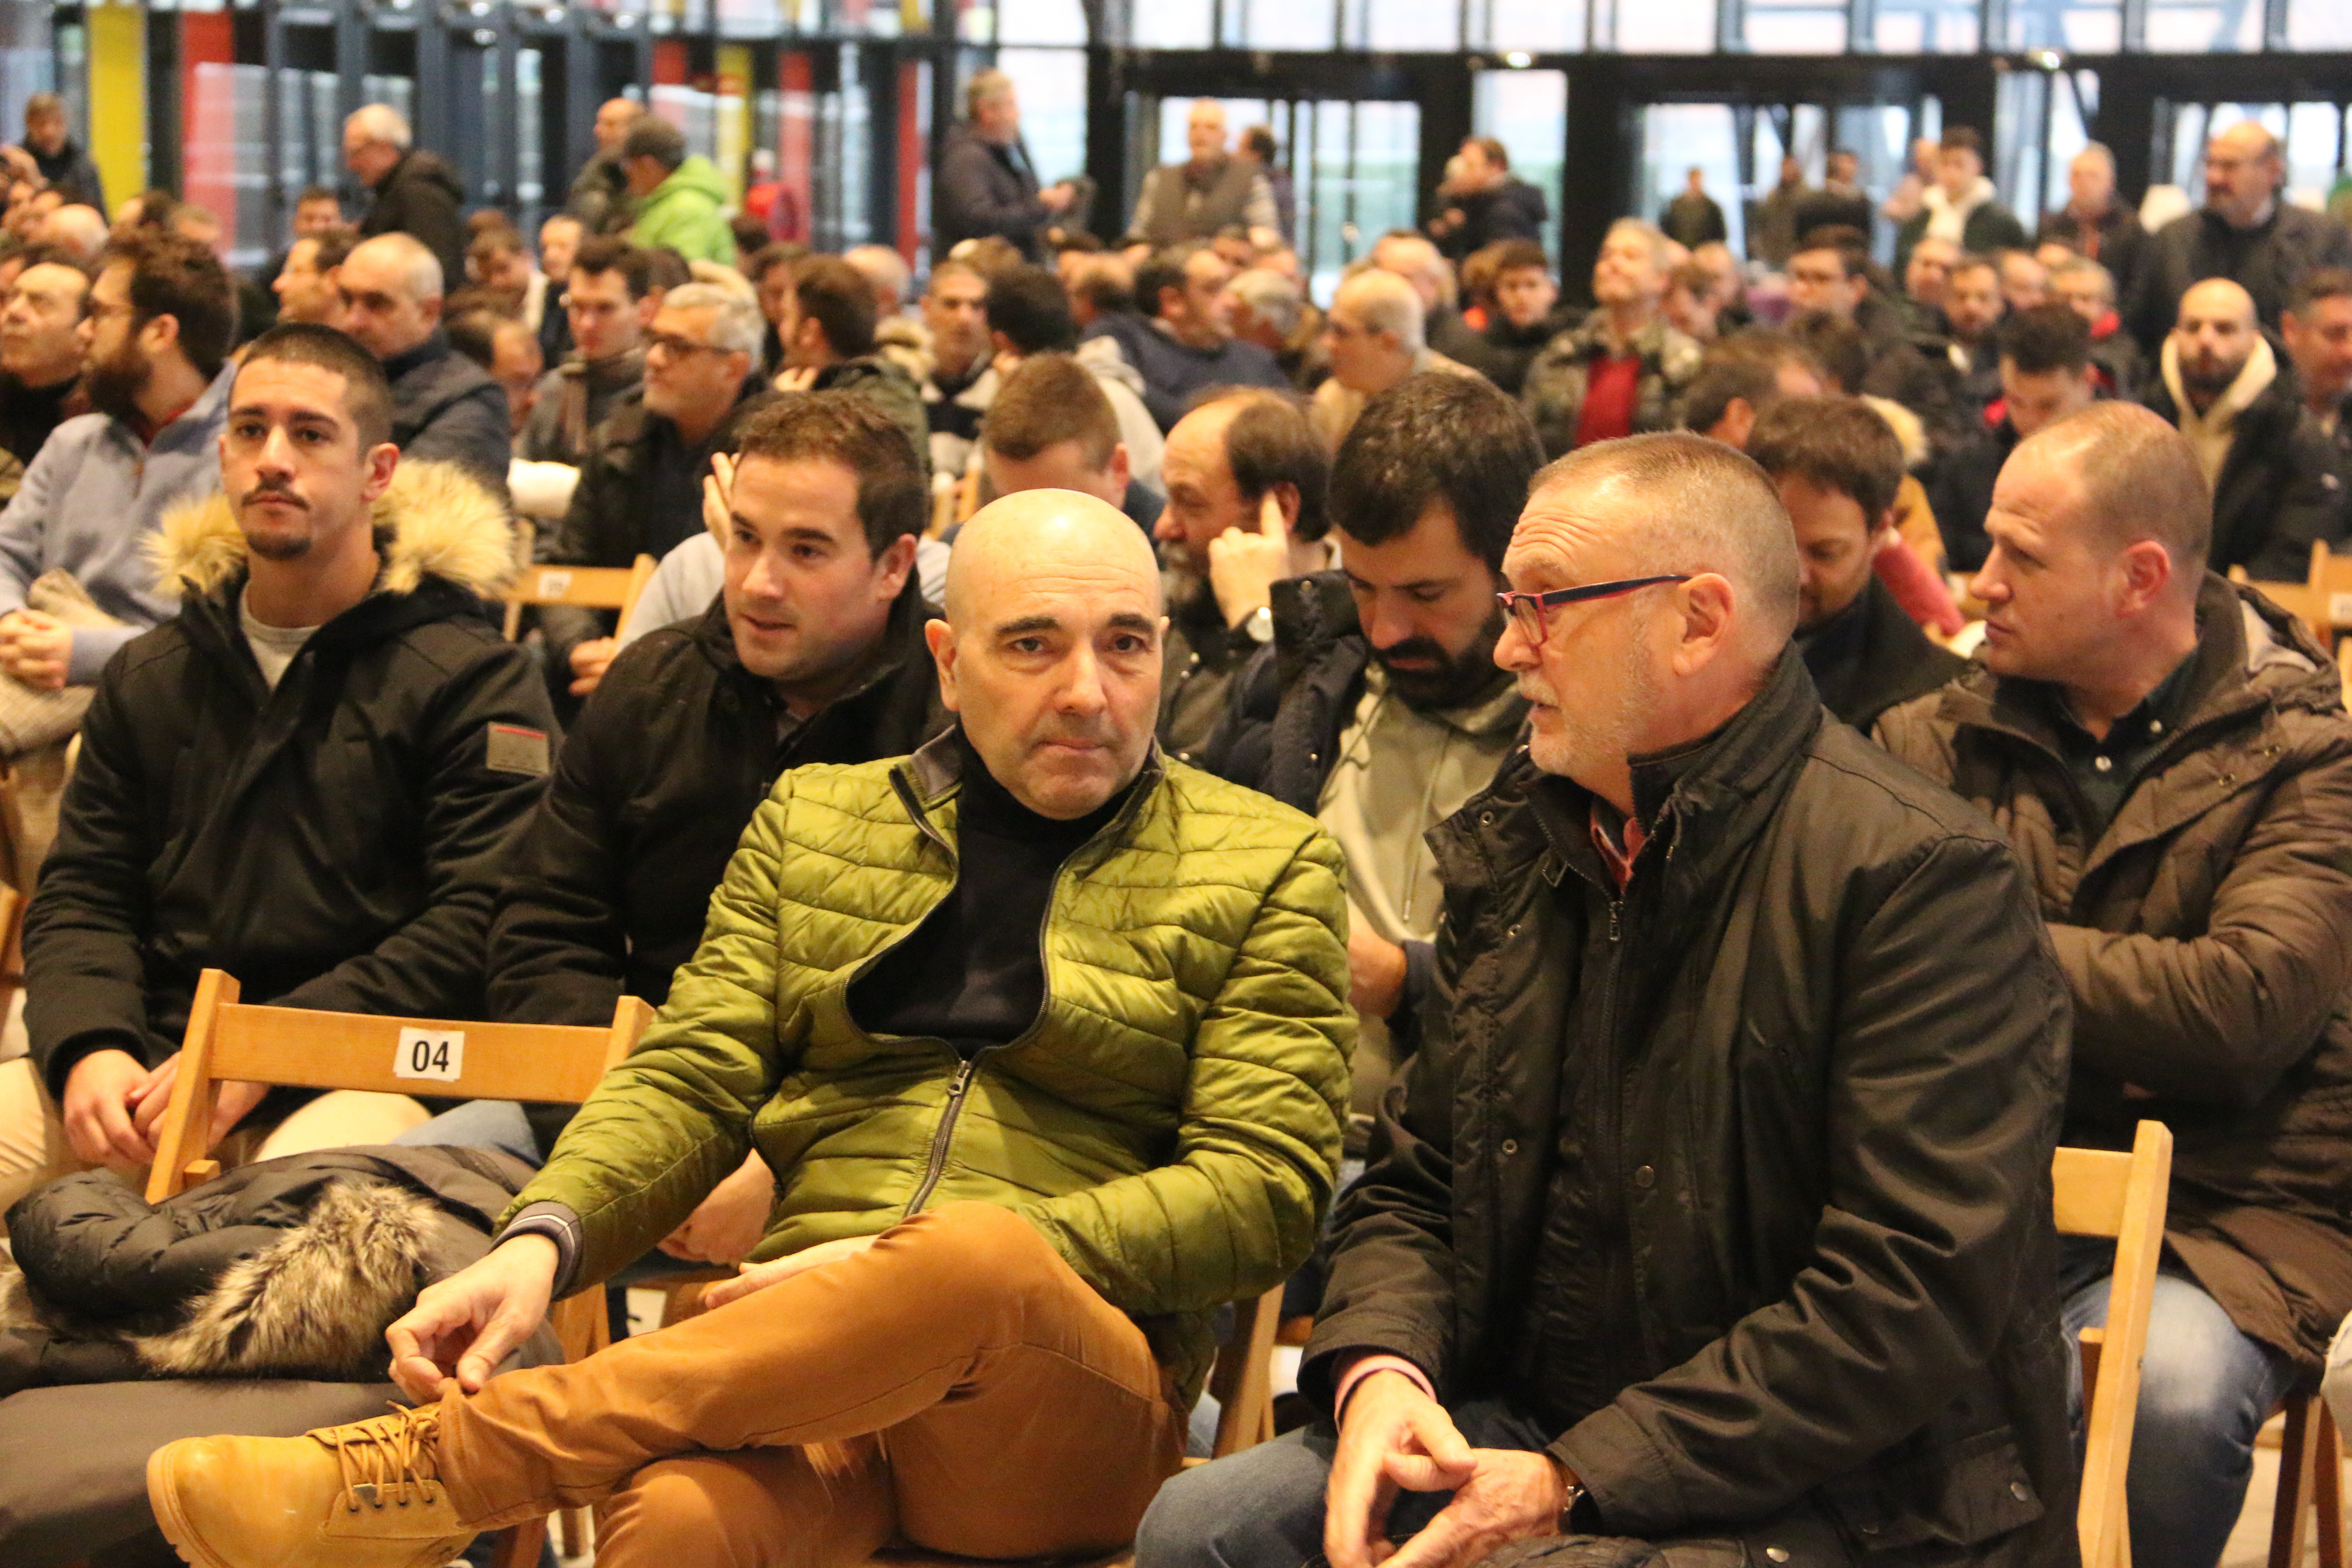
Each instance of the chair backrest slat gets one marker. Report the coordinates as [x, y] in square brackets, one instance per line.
[229, 1042]
[590, 587]
[2091, 1186]
[355, 1050]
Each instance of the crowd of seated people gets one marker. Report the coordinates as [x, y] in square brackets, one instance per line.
[1598, 850]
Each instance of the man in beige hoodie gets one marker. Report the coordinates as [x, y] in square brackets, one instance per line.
[2272, 471]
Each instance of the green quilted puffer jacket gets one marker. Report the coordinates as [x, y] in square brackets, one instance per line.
[1170, 1123]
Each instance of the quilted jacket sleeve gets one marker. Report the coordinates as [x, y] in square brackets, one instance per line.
[1237, 1206]
[668, 1124]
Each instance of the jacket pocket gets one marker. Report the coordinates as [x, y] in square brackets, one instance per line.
[1955, 1494]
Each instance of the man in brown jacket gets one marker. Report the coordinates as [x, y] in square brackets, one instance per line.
[2171, 758]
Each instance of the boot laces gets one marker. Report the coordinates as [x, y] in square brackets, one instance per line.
[388, 1455]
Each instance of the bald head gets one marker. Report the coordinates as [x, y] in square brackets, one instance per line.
[2212, 338]
[1035, 532]
[1374, 332]
[1050, 651]
[2134, 478]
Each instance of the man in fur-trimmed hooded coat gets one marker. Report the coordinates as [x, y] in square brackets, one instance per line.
[316, 811]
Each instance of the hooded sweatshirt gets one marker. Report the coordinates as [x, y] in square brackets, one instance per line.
[683, 212]
[2211, 432]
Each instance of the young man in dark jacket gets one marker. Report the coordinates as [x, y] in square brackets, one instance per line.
[1377, 709]
[813, 653]
[2171, 756]
[304, 778]
[2273, 471]
[1716, 1208]
[2045, 374]
[607, 299]
[827, 332]
[1838, 465]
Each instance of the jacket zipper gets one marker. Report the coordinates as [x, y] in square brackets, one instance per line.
[957, 1092]
[960, 1090]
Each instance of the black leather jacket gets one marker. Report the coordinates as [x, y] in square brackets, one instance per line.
[1824, 1042]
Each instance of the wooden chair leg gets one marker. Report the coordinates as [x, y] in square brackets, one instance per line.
[519, 1545]
[2328, 1484]
[571, 1532]
[2297, 1475]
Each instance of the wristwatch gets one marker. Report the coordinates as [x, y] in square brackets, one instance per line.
[1259, 624]
[1571, 1497]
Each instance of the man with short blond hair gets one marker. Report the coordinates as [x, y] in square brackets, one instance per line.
[1051, 426]
[2199, 928]
[984, 1184]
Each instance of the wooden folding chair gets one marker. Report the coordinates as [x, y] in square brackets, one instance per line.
[588, 587]
[230, 1042]
[2120, 1196]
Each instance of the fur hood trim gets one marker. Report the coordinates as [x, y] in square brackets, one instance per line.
[314, 1303]
[439, 519]
[1907, 426]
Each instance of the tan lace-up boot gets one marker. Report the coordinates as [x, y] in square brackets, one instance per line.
[368, 1495]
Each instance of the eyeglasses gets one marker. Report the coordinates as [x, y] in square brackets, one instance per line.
[1527, 610]
[675, 347]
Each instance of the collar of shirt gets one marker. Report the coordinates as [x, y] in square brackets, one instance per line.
[1617, 862]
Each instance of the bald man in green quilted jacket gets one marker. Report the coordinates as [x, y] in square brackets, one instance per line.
[1045, 1038]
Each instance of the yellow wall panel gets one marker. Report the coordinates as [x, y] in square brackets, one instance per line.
[117, 97]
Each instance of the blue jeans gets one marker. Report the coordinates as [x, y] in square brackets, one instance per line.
[479, 1124]
[1263, 1508]
[2205, 1390]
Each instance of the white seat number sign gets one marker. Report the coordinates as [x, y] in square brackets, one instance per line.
[435, 1054]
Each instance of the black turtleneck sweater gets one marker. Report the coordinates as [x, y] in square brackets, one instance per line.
[973, 972]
